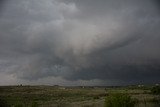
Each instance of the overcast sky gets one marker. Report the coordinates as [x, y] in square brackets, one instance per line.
[79, 42]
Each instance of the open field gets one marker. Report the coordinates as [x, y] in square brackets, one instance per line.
[57, 96]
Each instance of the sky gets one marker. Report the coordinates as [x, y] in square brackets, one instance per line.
[79, 42]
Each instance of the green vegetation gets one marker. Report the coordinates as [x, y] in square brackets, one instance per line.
[34, 104]
[3, 103]
[156, 90]
[56, 96]
[119, 100]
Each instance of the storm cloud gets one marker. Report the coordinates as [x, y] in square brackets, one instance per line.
[75, 42]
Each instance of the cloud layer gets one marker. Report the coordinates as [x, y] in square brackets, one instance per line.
[77, 42]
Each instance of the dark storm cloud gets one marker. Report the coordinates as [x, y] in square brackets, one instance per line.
[81, 40]
[2, 3]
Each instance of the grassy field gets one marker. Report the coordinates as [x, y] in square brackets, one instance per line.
[56, 96]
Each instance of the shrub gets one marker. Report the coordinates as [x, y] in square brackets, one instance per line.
[18, 105]
[34, 104]
[155, 90]
[96, 97]
[119, 100]
[3, 103]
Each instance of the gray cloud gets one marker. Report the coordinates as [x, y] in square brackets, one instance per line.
[110, 42]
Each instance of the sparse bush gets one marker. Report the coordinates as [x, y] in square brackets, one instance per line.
[34, 104]
[18, 105]
[119, 100]
[155, 100]
[156, 90]
[3, 103]
[61, 104]
[96, 97]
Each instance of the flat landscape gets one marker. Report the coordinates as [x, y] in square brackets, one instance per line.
[79, 53]
[58, 96]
